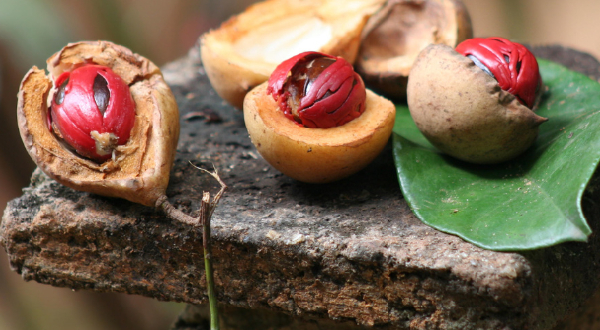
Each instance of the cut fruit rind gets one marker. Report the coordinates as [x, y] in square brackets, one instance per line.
[139, 170]
[244, 50]
[317, 155]
[395, 36]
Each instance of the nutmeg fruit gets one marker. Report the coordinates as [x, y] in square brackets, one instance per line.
[395, 35]
[463, 111]
[344, 130]
[243, 51]
[137, 169]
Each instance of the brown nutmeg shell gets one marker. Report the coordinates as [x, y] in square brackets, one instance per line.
[317, 155]
[394, 37]
[139, 170]
[463, 111]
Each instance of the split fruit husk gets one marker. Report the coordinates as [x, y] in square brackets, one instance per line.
[463, 111]
[139, 170]
[397, 34]
[317, 155]
[243, 52]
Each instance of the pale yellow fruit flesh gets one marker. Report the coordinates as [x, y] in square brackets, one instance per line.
[317, 155]
[245, 50]
[275, 43]
[463, 111]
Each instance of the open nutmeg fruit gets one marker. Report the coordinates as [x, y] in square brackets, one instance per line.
[314, 121]
[243, 52]
[476, 103]
[102, 120]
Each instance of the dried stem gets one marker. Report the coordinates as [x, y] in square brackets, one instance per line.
[207, 208]
[162, 203]
[205, 212]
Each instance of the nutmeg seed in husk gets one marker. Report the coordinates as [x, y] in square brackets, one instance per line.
[463, 111]
[243, 51]
[394, 37]
[139, 170]
[317, 155]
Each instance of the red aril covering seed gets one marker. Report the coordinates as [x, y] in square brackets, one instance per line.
[510, 63]
[318, 90]
[92, 111]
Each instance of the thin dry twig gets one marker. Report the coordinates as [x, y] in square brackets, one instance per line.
[207, 207]
[162, 203]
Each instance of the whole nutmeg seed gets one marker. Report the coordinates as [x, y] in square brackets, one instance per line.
[510, 63]
[92, 111]
[464, 112]
[315, 122]
[318, 90]
[58, 122]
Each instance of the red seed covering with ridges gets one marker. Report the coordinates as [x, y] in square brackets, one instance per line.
[512, 65]
[89, 99]
[329, 96]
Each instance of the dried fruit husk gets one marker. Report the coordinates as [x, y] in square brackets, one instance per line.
[317, 155]
[463, 111]
[244, 50]
[139, 170]
[395, 36]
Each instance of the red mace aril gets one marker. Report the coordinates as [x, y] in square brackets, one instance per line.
[318, 90]
[92, 111]
[510, 63]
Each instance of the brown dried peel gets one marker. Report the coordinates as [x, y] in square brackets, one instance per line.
[139, 170]
[463, 111]
[395, 35]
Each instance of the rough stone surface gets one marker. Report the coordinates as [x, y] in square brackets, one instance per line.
[197, 317]
[350, 251]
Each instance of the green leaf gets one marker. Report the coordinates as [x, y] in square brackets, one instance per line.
[530, 202]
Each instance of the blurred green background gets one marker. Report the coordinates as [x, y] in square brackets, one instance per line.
[32, 30]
